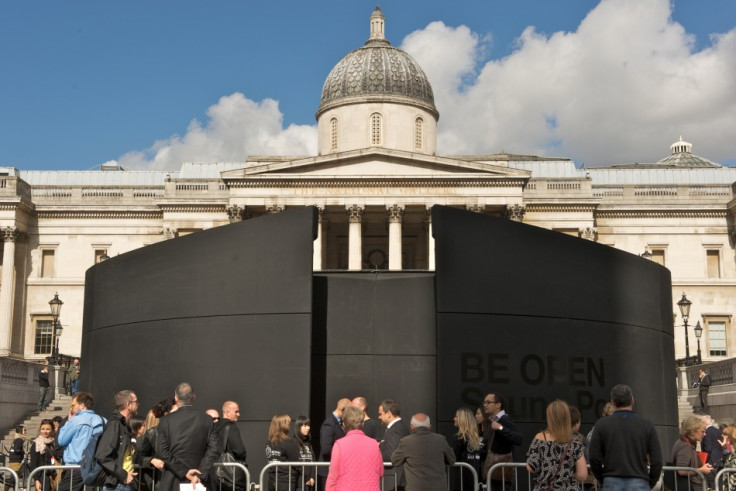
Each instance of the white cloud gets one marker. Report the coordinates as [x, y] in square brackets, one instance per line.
[236, 127]
[621, 88]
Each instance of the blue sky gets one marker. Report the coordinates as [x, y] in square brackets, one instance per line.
[153, 84]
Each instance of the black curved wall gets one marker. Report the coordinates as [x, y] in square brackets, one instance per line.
[538, 315]
[512, 308]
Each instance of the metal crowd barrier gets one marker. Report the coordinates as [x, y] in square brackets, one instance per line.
[722, 479]
[7, 472]
[517, 482]
[30, 485]
[237, 465]
[287, 466]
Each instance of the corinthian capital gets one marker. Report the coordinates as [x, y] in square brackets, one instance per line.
[236, 213]
[588, 233]
[515, 212]
[395, 213]
[274, 208]
[10, 234]
[355, 213]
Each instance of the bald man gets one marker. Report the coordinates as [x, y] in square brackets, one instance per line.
[371, 427]
[233, 444]
[330, 431]
[424, 455]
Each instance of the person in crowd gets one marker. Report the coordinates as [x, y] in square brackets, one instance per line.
[389, 412]
[145, 457]
[555, 458]
[137, 426]
[301, 438]
[482, 421]
[42, 453]
[229, 440]
[186, 443]
[703, 388]
[424, 456]
[356, 460]
[17, 448]
[729, 434]
[502, 437]
[468, 447]
[82, 423]
[692, 430]
[371, 427]
[212, 413]
[58, 422]
[624, 448]
[575, 422]
[114, 449]
[330, 431]
[281, 449]
[712, 446]
[43, 387]
[72, 375]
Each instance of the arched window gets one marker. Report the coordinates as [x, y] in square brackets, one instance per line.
[376, 129]
[418, 133]
[333, 134]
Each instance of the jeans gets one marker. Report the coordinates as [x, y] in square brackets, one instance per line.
[625, 483]
[74, 386]
[42, 393]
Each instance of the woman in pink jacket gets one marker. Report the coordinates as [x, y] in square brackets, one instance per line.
[356, 460]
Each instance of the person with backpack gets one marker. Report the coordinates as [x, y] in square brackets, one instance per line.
[83, 423]
[230, 441]
[114, 449]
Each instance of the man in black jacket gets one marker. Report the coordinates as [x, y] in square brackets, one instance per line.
[186, 443]
[114, 449]
[233, 445]
[330, 431]
[389, 412]
[703, 388]
[624, 448]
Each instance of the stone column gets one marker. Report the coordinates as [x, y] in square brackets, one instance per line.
[318, 242]
[9, 236]
[430, 239]
[395, 215]
[355, 238]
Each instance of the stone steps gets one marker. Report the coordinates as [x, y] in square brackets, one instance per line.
[57, 407]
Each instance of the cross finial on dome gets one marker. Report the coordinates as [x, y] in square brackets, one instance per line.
[377, 26]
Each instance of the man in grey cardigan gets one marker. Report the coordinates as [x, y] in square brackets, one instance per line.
[424, 455]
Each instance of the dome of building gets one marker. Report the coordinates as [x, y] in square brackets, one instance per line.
[377, 71]
[682, 156]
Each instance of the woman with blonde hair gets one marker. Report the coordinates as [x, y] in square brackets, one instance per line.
[554, 457]
[729, 481]
[469, 446]
[280, 448]
[692, 430]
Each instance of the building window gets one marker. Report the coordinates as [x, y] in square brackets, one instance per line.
[333, 134]
[713, 260]
[418, 134]
[658, 256]
[376, 129]
[99, 253]
[716, 337]
[44, 337]
[47, 263]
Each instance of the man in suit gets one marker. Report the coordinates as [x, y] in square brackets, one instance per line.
[186, 443]
[423, 455]
[502, 436]
[703, 388]
[389, 412]
[330, 431]
[711, 444]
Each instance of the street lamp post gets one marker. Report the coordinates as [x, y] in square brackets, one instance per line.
[55, 305]
[684, 305]
[698, 332]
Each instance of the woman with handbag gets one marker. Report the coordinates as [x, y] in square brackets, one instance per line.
[554, 457]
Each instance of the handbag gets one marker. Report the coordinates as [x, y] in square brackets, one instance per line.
[228, 476]
[500, 473]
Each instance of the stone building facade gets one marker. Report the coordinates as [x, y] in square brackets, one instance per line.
[374, 179]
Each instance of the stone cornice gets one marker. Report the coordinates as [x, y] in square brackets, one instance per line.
[560, 208]
[661, 213]
[194, 208]
[100, 214]
[388, 182]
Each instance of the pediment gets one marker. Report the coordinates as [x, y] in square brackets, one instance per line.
[376, 163]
